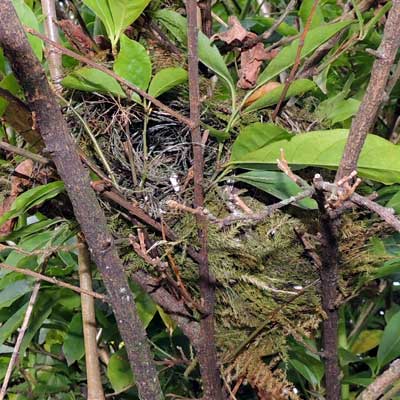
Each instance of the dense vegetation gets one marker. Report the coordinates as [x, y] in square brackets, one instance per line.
[233, 166]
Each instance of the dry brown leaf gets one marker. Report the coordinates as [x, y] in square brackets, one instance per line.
[236, 33]
[250, 59]
[77, 37]
[250, 63]
[261, 91]
[25, 168]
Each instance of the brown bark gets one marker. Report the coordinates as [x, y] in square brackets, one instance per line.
[206, 17]
[207, 350]
[365, 119]
[329, 293]
[90, 216]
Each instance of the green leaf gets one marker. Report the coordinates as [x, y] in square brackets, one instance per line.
[394, 202]
[389, 347]
[133, 63]
[74, 347]
[257, 136]
[145, 305]
[117, 15]
[388, 268]
[286, 58]
[92, 80]
[297, 88]
[379, 159]
[261, 24]
[41, 311]
[28, 18]
[166, 79]
[32, 198]
[305, 371]
[11, 84]
[366, 341]
[305, 10]
[12, 324]
[220, 135]
[119, 372]
[208, 53]
[277, 184]
[13, 292]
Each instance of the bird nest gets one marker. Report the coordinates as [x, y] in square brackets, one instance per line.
[266, 280]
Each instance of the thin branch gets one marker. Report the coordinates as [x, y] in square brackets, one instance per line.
[379, 386]
[41, 277]
[124, 82]
[207, 353]
[364, 121]
[296, 64]
[53, 57]
[93, 373]
[21, 334]
[24, 153]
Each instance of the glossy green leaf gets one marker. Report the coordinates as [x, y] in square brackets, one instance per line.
[366, 341]
[119, 372]
[133, 63]
[28, 18]
[92, 80]
[32, 198]
[305, 10]
[255, 137]
[297, 88]
[74, 347]
[117, 15]
[277, 184]
[286, 58]
[379, 159]
[13, 292]
[208, 53]
[166, 79]
[389, 347]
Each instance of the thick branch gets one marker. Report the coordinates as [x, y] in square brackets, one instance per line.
[329, 293]
[88, 212]
[365, 119]
[207, 351]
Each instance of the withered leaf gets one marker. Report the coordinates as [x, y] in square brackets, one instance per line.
[251, 59]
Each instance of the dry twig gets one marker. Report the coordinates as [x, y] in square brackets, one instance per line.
[21, 334]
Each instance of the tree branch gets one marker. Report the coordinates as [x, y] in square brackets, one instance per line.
[207, 350]
[379, 386]
[364, 121]
[60, 146]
